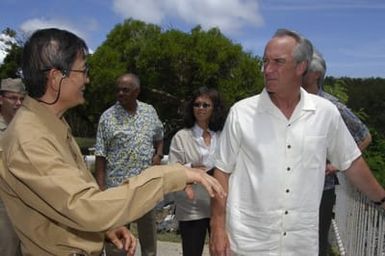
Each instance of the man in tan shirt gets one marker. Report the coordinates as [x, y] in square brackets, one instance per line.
[54, 202]
[12, 93]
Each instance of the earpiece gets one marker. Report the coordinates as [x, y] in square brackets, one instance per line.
[65, 73]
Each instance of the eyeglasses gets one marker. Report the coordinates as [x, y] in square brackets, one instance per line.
[14, 98]
[201, 105]
[85, 71]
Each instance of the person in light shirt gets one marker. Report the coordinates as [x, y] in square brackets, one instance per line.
[194, 146]
[271, 160]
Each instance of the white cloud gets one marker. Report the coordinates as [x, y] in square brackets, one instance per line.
[323, 5]
[228, 15]
[147, 10]
[3, 46]
[39, 23]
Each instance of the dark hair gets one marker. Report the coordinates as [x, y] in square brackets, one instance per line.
[47, 49]
[218, 116]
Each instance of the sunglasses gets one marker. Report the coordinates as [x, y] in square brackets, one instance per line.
[201, 105]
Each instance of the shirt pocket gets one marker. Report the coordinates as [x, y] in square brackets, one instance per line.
[314, 152]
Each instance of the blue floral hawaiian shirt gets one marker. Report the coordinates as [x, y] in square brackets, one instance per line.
[127, 141]
[357, 129]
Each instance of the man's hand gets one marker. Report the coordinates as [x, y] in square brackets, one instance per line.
[219, 242]
[330, 169]
[122, 238]
[156, 159]
[189, 188]
[210, 183]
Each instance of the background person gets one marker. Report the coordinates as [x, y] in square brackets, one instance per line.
[194, 146]
[271, 160]
[129, 139]
[313, 83]
[12, 93]
[52, 199]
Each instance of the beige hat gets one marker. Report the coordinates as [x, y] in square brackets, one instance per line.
[12, 85]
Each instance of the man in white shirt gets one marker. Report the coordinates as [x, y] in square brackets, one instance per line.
[271, 160]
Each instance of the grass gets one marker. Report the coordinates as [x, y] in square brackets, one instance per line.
[334, 251]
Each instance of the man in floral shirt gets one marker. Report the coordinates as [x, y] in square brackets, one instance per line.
[129, 139]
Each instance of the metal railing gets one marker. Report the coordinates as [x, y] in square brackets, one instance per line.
[359, 225]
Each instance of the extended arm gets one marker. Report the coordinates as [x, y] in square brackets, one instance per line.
[100, 171]
[360, 176]
[158, 155]
[219, 243]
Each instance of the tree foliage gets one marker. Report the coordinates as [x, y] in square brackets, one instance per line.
[366, 99]
[12, 60]
[171, 64]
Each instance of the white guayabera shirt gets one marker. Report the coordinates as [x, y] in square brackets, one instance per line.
[277, 169]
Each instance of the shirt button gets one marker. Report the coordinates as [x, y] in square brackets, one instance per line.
[288, 169]
[287, 190]
[289, 146]
[286, 212]
[284, 233]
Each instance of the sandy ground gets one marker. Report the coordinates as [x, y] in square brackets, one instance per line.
[164, 249]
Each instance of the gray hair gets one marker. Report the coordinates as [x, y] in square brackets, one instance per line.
[134, 77]
[318, 64]
[304, 49]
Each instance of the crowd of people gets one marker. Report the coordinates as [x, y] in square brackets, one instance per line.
[251, 178]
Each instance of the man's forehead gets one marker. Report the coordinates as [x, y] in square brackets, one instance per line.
[127, 82]
[9, 93]
[279, 48]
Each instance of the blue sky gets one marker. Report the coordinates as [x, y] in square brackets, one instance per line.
[349, 33]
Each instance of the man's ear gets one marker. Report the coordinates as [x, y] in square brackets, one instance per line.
[302, 67]
[54, 77]
[137, 92]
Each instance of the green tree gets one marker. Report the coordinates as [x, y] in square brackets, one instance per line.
[171, 64]
[365, 98]
[12, 60]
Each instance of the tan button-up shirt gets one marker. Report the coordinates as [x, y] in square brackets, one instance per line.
[53, 200]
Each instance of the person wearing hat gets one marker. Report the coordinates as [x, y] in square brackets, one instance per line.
[12, 92]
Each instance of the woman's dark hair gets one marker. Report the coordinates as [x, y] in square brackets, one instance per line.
[47, 49]
[218, 116]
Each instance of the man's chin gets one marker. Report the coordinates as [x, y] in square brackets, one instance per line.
[269, 89]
